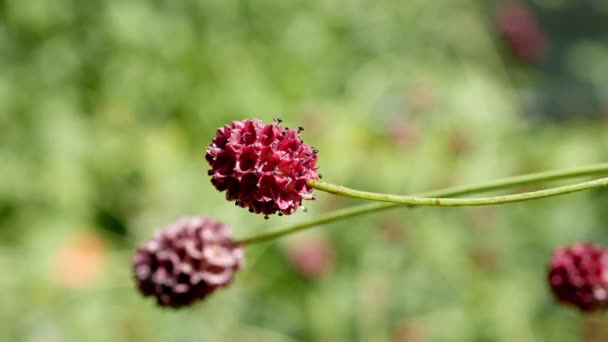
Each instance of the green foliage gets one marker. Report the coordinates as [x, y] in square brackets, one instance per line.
[105, 110]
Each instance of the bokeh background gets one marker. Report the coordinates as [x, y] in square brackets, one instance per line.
[106, 108]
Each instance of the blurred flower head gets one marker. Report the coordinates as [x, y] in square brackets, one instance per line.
[411, 330]
[311, 256]
[522, 32]
[187, 261]
[404, 133]
[262, 167]
[578, 276]
[80, 261]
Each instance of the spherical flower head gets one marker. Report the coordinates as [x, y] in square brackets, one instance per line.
[186, 261]
[578, 276]
[262, 167]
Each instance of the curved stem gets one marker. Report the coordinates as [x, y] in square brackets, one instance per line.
[455, 191]
[456, 202]
[333, 216]
[509, 182]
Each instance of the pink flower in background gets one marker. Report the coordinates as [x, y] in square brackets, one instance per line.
[522, 32]
[578, 275]
[311, 256]
[262, 167]
[187, 261]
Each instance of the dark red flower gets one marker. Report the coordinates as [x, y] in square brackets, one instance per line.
[262, 167]
[578, 275]
[186, 261]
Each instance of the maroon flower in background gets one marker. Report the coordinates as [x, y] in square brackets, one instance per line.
[578, 275]
[522, 32]
[186, 261]
[262, 167]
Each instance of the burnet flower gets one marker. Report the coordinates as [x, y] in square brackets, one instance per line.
[187, 261]
[578, 276]
[262, 167]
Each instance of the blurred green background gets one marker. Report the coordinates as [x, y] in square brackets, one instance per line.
[106, 108]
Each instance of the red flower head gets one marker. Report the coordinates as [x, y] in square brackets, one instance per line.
[578, 275]
[262, 167]
[186, 261]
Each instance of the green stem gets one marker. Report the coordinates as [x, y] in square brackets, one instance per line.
[455, 191]
[456, 202]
